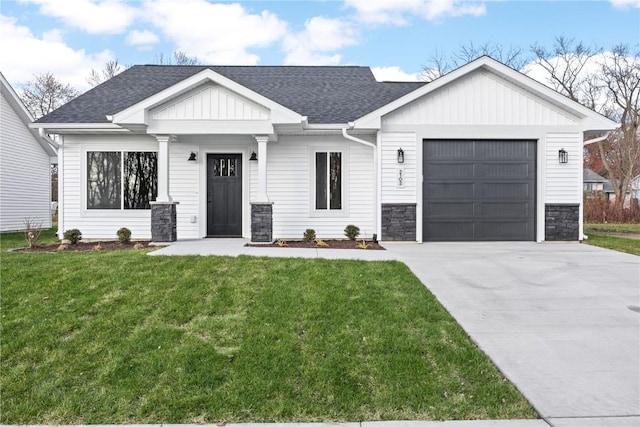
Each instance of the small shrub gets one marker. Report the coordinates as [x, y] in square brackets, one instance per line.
[73, 236]
[362, 244]
[124, 235]
[62, 248]
[32, 231]
[352, 232]
[321, 243]
[281, 243]
[97, 247]
[309, 235]
[138, 246]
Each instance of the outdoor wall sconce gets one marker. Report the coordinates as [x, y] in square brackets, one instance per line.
[563, 156]
[192, 157]
[400, 155]
[253, 157]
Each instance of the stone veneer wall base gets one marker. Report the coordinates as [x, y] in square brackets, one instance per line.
[562, 222]
[262, 222]
[163, 222]
[398, 221]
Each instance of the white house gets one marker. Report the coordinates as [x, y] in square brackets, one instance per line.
[25, 166]
[187, 152]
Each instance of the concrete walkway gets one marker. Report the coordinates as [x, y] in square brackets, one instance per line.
[560, 320]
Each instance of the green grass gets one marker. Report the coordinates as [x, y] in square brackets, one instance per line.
[612, 228]
[121, 337]
[631, 246]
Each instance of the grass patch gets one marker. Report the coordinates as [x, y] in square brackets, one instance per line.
[631, 246]
[612, 228]
[121, 337]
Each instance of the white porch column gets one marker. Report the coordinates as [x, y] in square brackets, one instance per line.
[262, 168]
[163, 168]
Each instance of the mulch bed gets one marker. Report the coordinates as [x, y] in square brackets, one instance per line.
[333, 244]
[102, 246]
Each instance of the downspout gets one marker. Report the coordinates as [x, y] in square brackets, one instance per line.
[61, 193]
[584, 144]
[375, 172]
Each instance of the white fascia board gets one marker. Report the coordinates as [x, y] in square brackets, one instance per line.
[77, 127]
[137, 113]
[589, 118]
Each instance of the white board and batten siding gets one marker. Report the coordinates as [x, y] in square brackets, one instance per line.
[25, 174]
[99, 223]
[563, 181]
[481, 98]
[210, 102]
[289, 187]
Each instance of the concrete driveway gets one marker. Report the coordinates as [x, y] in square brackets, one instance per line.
[560, 320]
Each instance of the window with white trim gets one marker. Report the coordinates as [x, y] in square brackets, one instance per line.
[121, 179]
[328, 181]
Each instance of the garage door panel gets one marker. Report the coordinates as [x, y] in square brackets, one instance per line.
[450, 210]
[504, 170]
[504, 230]
[451, 230]
[479, 190]
[505, 210]
[450, 190]
[450, 170]
[502, 190]
[452, 150]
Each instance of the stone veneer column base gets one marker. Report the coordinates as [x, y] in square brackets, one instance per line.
[262, 222]
[562, 222]
[163, 222]
[398, 221]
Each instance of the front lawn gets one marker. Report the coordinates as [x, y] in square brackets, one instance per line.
[121, 337]
[619, 237]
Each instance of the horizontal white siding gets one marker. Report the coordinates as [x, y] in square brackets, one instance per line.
[481, 98]
[390, 143]
[25, 174]
[563, 181]
[94, 223]
[289, 169]
[210, 103]
[184, 188]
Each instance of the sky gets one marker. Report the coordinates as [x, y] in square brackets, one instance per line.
[396, 38]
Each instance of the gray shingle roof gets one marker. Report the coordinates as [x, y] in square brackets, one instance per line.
[323, 94]
[590, 176]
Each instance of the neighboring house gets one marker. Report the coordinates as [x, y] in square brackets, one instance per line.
[188, 152]
[635, 188]
[596, 186]
[25, 166]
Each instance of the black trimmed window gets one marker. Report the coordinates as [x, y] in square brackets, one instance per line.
[121, 179]
[328, 170]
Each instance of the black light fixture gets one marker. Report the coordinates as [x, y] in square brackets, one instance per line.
[563, 156]
[400, 155]
[192, 157]
[253, 157]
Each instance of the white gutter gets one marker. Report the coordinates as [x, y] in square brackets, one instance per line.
[375, 173]
[598, 139]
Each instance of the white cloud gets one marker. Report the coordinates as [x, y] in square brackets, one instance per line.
[316, 44]
[46, 54]
[215, 33]
[143, 38]
[394, 74]
[396, 11]
[623, 4]
[91, 16]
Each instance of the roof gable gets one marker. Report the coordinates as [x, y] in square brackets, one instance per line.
[589, 120]
[23, 114]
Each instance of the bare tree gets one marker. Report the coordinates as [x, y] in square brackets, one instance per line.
[45, 93]
[179, 58]
[111, 69]
[440, 64]
[565, 67]
[620, 154]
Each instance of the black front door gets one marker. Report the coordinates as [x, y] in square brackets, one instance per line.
[224, 195]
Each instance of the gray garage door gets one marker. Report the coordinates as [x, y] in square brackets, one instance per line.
[479, 190]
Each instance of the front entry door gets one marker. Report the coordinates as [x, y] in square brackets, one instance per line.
[224, 195]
